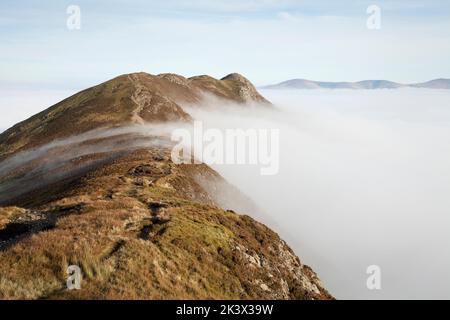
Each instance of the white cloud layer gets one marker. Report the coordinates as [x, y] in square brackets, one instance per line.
[364, 180]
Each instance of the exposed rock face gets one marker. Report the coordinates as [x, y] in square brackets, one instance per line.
[138, 225]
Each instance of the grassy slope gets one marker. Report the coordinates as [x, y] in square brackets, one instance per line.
[142, 228]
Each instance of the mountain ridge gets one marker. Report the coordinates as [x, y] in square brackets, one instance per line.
[441, 83]
[87, 183]
[130, 98]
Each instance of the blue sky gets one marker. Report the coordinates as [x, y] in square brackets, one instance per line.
[268, 41]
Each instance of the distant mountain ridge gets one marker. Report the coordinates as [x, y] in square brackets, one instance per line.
[365, 84]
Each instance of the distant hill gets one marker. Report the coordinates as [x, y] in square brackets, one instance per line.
[434, 84]
[366, 84]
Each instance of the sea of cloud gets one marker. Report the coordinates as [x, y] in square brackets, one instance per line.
[364, 180]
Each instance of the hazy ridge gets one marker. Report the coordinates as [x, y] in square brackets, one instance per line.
[365, 84]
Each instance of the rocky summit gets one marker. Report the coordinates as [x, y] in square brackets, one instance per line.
[78, 189]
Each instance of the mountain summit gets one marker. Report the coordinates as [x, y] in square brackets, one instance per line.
[81, 184]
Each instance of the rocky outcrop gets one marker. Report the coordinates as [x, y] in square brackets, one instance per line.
[244, 88]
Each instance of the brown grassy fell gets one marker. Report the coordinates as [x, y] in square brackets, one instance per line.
[131, 98]
[138, 225]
